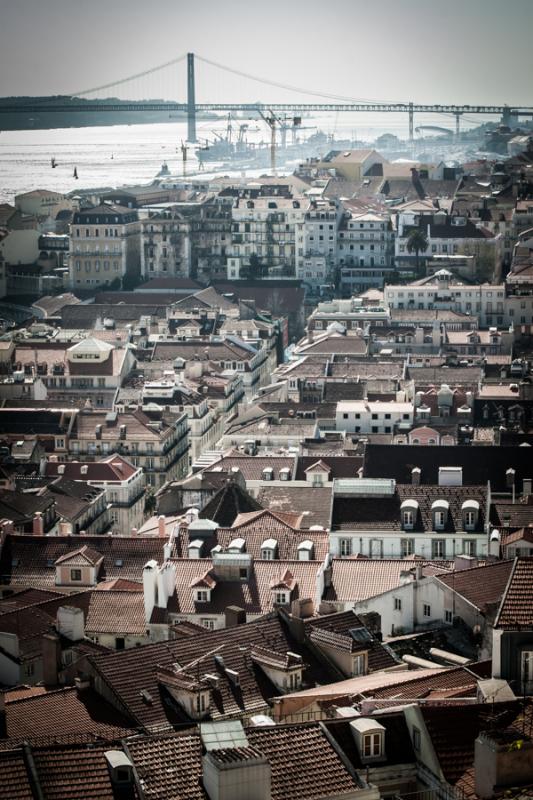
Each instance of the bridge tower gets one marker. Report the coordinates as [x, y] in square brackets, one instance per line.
[191, 100]
[411, 122]
[457, 124]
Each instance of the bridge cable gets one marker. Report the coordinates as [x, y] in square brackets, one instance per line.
[131, 77]
[293, 88]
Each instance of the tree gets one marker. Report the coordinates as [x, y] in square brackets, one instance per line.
[417, 242]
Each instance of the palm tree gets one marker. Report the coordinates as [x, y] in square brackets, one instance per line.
[417, 242]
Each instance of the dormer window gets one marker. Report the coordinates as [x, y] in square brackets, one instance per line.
[203, 596]
[369, 735]
[306, 550]
[268, 474]
[470, 512]
[409, 513]
[372, 745]
[439, 511]
[281, 598]
[269, 550]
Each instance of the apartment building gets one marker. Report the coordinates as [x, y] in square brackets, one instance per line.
[104, 246]
[91, 369]
[316, 238]
[160, 448]
[123, 484]
[165, 244]
[362, 416]
[264, 234]
[365, 251]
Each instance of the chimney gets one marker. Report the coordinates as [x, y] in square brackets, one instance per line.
[502, 758]
[224, 771]
[38, 524]
[150, 587]
[234, 616]
[527, 486]
[161, 527]
[51, 654]
[509, 477]
[416, 474]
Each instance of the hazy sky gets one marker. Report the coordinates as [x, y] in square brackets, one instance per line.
[462, 51]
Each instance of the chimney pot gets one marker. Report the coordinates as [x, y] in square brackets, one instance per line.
[162, 528]
[38, 524]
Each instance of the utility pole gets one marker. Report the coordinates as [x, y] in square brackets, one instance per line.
[191, 99]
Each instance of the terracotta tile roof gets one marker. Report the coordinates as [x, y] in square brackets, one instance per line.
[481, 586]
[252, 466]
[30, 560]
[339, 466]
[516, 609]
[398, 748]
[255, 595]
[112, 468]
[316, 770]
[354, 579]
[72, 712]
[457, 679]
[69, 772]
[14, 779]
[116, 612]
[137, 427]
[126, 675]
[454, 729]
[511, 516]
[30, 623]
[24, 598]
[82, 555]
[313, 503]
[366, 513]
[379, 656]
[255, 529]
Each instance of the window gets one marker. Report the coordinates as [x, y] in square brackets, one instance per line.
[407, 547]
[358, 665]
[397, 604]
[470, 520]
[202, 596]
[280, 598]
[440, 519]
[208, 623]
[345, 547]
[408, 519]
[438, 548]
[416, 739]
[469, 547]
[371, 745]
[527, 671]
[427, 610]
[75, 574]
[448, 617]
[120, 643]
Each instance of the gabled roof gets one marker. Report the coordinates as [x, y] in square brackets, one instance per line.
[483, 587]
[116, 612]
[82, 555]
[73, 712]
[516, 609]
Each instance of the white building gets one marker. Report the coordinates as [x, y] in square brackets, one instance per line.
[365, 251]
[361, 416]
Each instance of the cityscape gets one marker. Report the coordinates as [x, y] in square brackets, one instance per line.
[266, 401]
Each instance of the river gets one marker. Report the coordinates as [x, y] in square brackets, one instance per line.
[116, 155]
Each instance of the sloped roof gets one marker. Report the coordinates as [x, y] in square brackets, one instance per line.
[226, 505]
[481, 586]
[516, 609]
[116, 612]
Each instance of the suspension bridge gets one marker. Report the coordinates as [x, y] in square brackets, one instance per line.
[89, 100]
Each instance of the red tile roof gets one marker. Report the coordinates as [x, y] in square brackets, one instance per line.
[516, 609]
[481, 586]
[72, 712]
[116, 612]
[14, 779]
[355, 579]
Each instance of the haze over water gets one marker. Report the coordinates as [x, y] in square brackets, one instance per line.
[139, 150]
